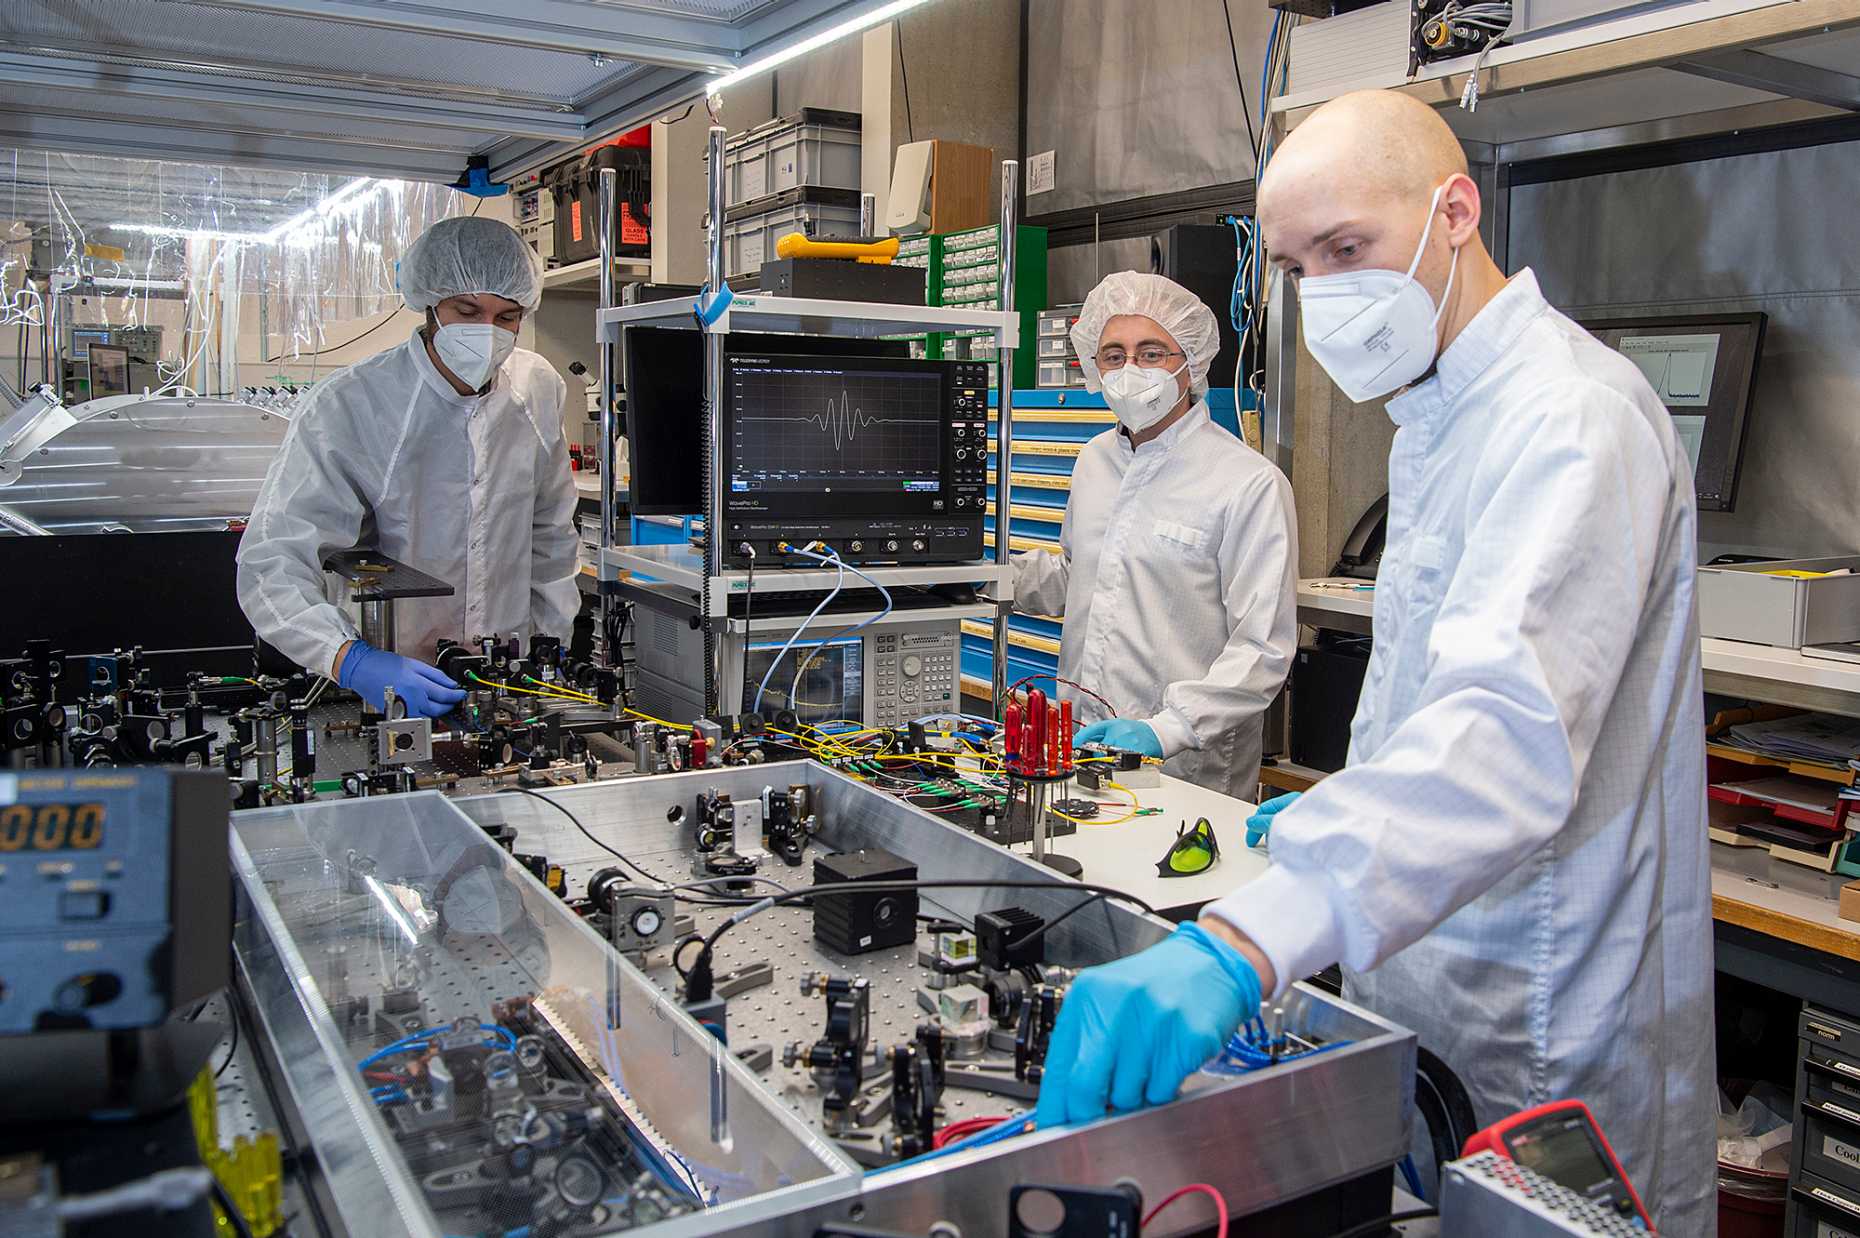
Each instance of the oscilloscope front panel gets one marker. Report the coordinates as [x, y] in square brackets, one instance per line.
[883, 459]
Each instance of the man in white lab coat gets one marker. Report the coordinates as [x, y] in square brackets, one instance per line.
[1176, 576]
[1513, 862]
[445, 453]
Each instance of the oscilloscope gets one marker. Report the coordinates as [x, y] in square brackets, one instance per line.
[885, 459]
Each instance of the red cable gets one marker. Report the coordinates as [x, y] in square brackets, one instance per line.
[962, 1130]
[1195, 1188]
[1021, 683]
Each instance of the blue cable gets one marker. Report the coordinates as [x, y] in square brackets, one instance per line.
[813, 614]
[1234, 299]
[831, 559]
[1013, 1128]
[1413, 1178]
[420, 1040]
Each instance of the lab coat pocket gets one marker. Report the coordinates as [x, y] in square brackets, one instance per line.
[1184, 541]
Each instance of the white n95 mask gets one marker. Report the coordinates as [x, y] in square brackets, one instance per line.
[1374, 331]
[1140, 397]
[473, 350]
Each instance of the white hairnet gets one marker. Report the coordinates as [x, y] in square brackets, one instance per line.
[464, 255]
[1180, 312]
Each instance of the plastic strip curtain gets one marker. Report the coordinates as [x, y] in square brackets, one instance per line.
[212, 255]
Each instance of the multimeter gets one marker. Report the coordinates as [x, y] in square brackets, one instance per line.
[1562, 1142]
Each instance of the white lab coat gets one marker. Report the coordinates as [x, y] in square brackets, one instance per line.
[475, 490]
[1513, 862]
[1178, 587]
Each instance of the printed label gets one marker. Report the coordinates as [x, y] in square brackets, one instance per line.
[632, 232]
[1845, 1153]
[755, 179]
[1040, 173]
[574, 220]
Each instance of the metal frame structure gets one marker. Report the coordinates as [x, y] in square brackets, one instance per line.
[803, 316]
[1307, 1132]
[300, 112]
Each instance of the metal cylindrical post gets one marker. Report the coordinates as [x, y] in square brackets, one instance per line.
[713, 408]
[48, 339]
[608, 208]
[378, 623]
[265, 742]
[868, 214]
[1004, 431]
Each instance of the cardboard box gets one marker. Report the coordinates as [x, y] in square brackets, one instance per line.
[1850, 901]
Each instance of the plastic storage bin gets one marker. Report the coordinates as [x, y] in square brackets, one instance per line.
[750, 231]
[1750, 602]
[812, 148]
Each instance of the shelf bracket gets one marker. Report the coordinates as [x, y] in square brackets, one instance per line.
[1790, 78]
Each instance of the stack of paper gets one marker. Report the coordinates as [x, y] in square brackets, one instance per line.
[1802, 737]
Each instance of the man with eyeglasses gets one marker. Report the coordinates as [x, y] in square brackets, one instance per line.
[1176, 572]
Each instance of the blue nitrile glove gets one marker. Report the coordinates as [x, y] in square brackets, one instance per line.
[1122, 733]
[1131, 1031]
[1260, 823]
[426, 690]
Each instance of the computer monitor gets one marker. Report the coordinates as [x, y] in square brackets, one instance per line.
[664, 381]
[83, 337]
[1704, 369]
[109, 370]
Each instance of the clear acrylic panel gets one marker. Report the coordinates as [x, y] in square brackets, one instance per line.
[477, 1059]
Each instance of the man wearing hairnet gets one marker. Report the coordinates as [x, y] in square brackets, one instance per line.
[445, 453]
[1175, 576]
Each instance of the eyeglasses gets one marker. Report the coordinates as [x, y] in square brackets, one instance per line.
[1149, 356]
[1195, 850]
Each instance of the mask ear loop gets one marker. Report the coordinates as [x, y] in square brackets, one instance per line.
[1453, 267]
[1433, 204]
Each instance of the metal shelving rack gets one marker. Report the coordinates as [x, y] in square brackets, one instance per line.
[792, 316]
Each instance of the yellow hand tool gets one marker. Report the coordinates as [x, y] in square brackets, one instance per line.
[878, 251]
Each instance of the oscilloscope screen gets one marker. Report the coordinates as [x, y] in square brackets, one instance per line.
[835, 427]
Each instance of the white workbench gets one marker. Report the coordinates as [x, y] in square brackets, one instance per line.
[1768, 912]
[1124, 856]
[1732, 668]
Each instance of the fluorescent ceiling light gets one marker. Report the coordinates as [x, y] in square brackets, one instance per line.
[883, 13]
[346, 197]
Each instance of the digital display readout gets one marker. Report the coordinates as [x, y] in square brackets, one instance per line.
[51, 827]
